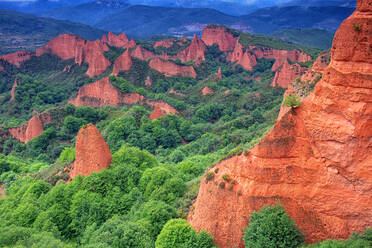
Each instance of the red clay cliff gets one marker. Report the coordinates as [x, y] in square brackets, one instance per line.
[103, 93]
[17, 58]
[286, 73]
[243, 57]
[122, 63]
[31, 129]
[169, 68]
[317, 159]
[219, 35]
[68, 46]
[91, 152]
[194, 52]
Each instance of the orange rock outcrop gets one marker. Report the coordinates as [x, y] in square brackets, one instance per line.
[148, 82]
[68, 46]
[219, 35]
[243, 57]
[111, 39]
[161, 109]
[194, 52]
[316, 71]
[123, 63]
[16, 58]
[91, 152]
[317, 159]
[280, 56]
[218, 75]
[206, 91]
[164, 43]
[286, 73]
[12, 92]
[144, 54]
[33, 128]
[103, 93]
[169, 68]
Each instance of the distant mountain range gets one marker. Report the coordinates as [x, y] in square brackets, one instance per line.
[231, 7]
[141, 20]
[305, 25]
[20, 31]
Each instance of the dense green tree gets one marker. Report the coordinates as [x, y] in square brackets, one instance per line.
[272, 227]
[178, 233]
[157, 213]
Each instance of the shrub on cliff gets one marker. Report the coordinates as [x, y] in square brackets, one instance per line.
[272, 227]
[292, 101]
[178, 233]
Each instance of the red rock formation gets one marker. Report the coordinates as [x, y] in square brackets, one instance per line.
[2, 191]
[91, 152]
[219, 74]
[316, 71]
[164, 43]
[280, 56]
[322, 62]
[206, 91]
[286, 74]
[144, 54]
[94, 56]
[169, 68]
[16, 58]
[111, 39]
[122, 63]
[194, 52]
[12, 92]
[317, 159]
[68, 46]
[220, 36]
[103, 93]
[131, 44]
[243, 57]
[33, 128]
[148, 82]
[160, 109]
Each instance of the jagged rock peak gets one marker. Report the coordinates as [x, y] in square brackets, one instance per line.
[91, 152]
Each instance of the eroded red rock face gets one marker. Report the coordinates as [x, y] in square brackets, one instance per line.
[169, 68]
[220, 36]
[148, 82]
[243, 57]
[164, 43]
[33, 128]
[194, 52]
[68, 46]
[219, 74]
[103, 93]
[122, 63]
[286, 74]
[317, 159]
[12, 92]
[316, 71]
[206, 91]
[92, 153]
[111, 39]
[16, 58]
[160, 109]
[280, 56]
